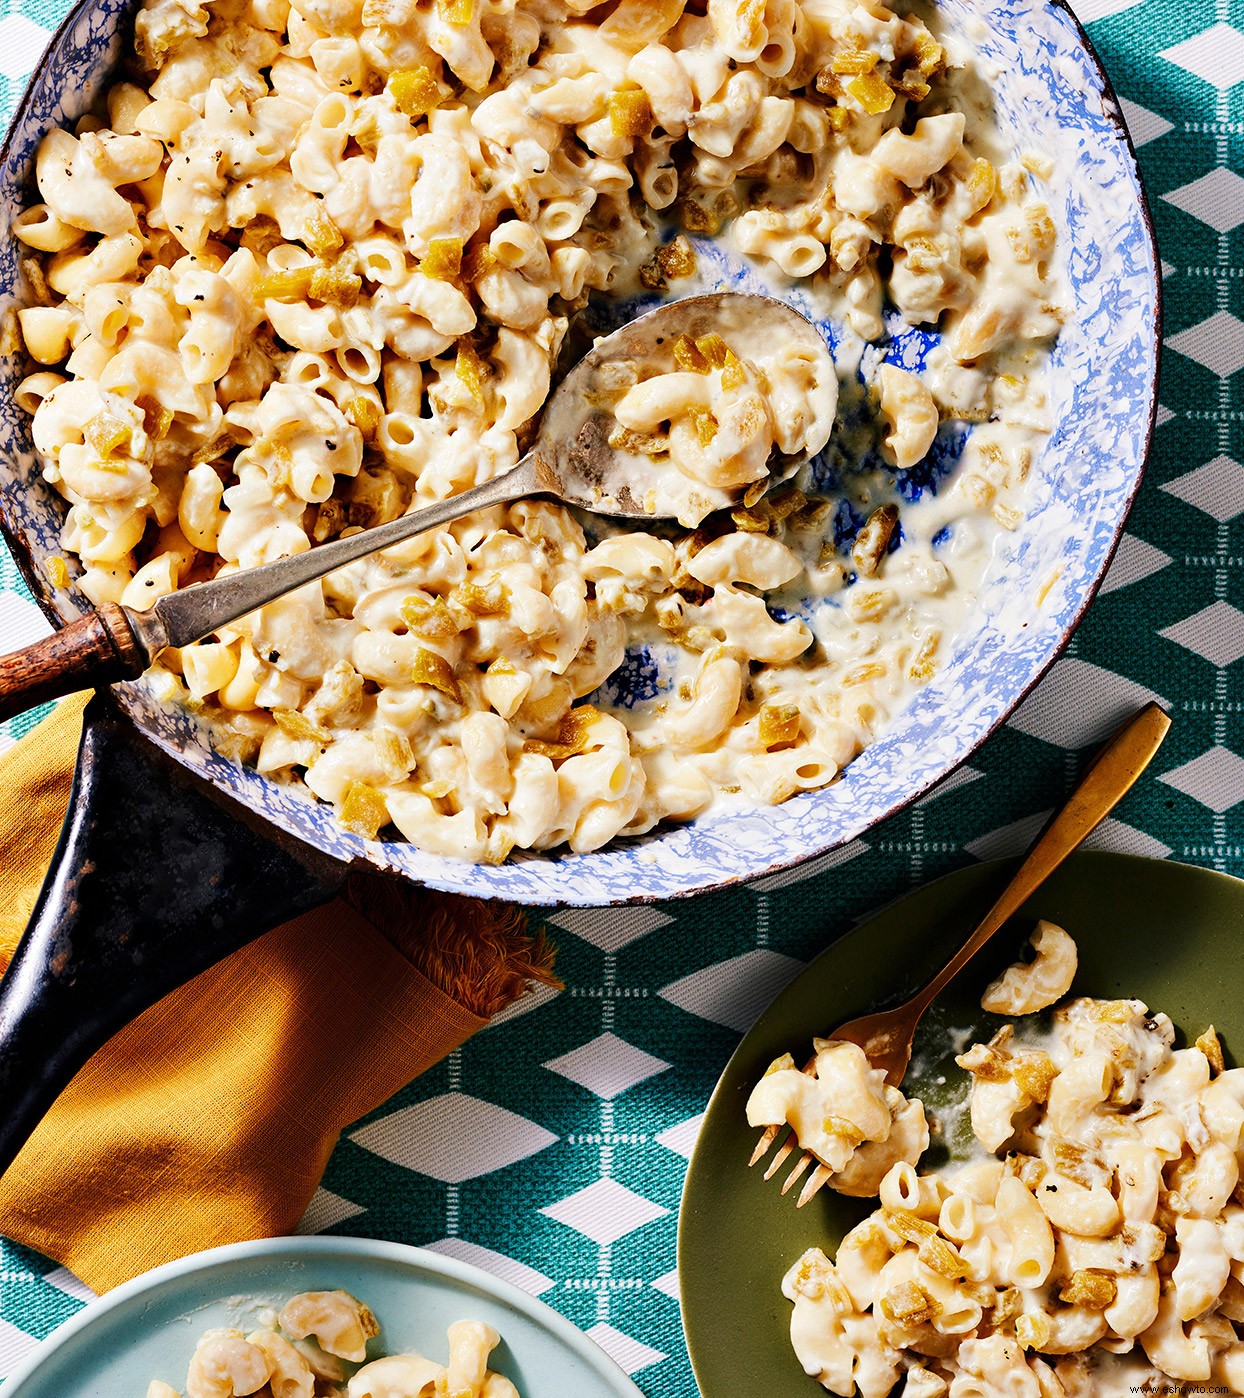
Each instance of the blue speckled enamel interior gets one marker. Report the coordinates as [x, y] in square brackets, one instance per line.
[1050, 97]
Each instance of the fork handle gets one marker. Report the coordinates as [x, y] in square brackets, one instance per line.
[1109, 778]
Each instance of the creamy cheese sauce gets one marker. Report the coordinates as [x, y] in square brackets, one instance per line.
[327, 279]
[704, 420]
[1088, 1238]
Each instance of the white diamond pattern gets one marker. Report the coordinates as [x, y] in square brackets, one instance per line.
[1217, 488]
[453, 1137]
[733, 992]
[506, 1268]
[1135, 561]
[629, 1355]
[668, 1285]
[1217, 344]
[21, 622]
[325, 1210]
[1144, 125]
[610, 929]
[15, 1345]
[681, 1138]
[1216, 633]
[21, 43]
[1119, 838]
[1088, 11]
[1215, 55]
[605, 1211]
[1216, 199]
[1008, 840]
[1078, 704]
[607, 1066]
[1215, 779]
[64, 1280]
[537, 996]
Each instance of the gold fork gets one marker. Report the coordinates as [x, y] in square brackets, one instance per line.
[886, 1036]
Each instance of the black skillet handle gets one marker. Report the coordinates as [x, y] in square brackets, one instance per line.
[157, 876]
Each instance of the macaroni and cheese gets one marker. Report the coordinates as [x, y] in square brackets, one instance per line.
[311, 265]
[1095, 1242]
[316, 1347]
[702, 426]
[843, 1112]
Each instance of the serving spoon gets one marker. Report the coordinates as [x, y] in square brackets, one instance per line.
[571, 460]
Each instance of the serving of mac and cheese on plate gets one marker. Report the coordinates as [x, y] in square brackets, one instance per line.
[309, 267]
[1087, 1237]
[316, 1346]
[319, 1316]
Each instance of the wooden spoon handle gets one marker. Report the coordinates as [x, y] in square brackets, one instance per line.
[97, 650]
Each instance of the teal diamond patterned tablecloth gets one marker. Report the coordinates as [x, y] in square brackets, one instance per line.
[551, 1148]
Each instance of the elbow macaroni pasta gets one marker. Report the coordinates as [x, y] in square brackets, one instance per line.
[717, 418]
[317, 1348]
[843, 1112]
[1096, 1245]
[1029, 986]
[314, 267]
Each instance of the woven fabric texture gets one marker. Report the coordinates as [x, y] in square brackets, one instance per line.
[551, 1148]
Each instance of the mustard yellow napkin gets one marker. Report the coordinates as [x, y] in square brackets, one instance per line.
[210, 1118]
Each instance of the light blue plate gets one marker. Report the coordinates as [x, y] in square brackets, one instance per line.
[148, 1328]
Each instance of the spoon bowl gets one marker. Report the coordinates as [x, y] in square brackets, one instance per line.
[572, 460]
[573, 443]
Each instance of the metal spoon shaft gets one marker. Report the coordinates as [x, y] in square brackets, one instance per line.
[195, 612]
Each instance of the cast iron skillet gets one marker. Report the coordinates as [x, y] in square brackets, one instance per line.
[159, 873]
[157, 876]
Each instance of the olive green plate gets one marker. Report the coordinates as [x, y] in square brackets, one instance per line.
[1167, 933]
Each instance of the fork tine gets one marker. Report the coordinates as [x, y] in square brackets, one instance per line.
[771, 1133]
[800, 1166]
[782, 1155]
[815, 1182]
[767, 1138]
